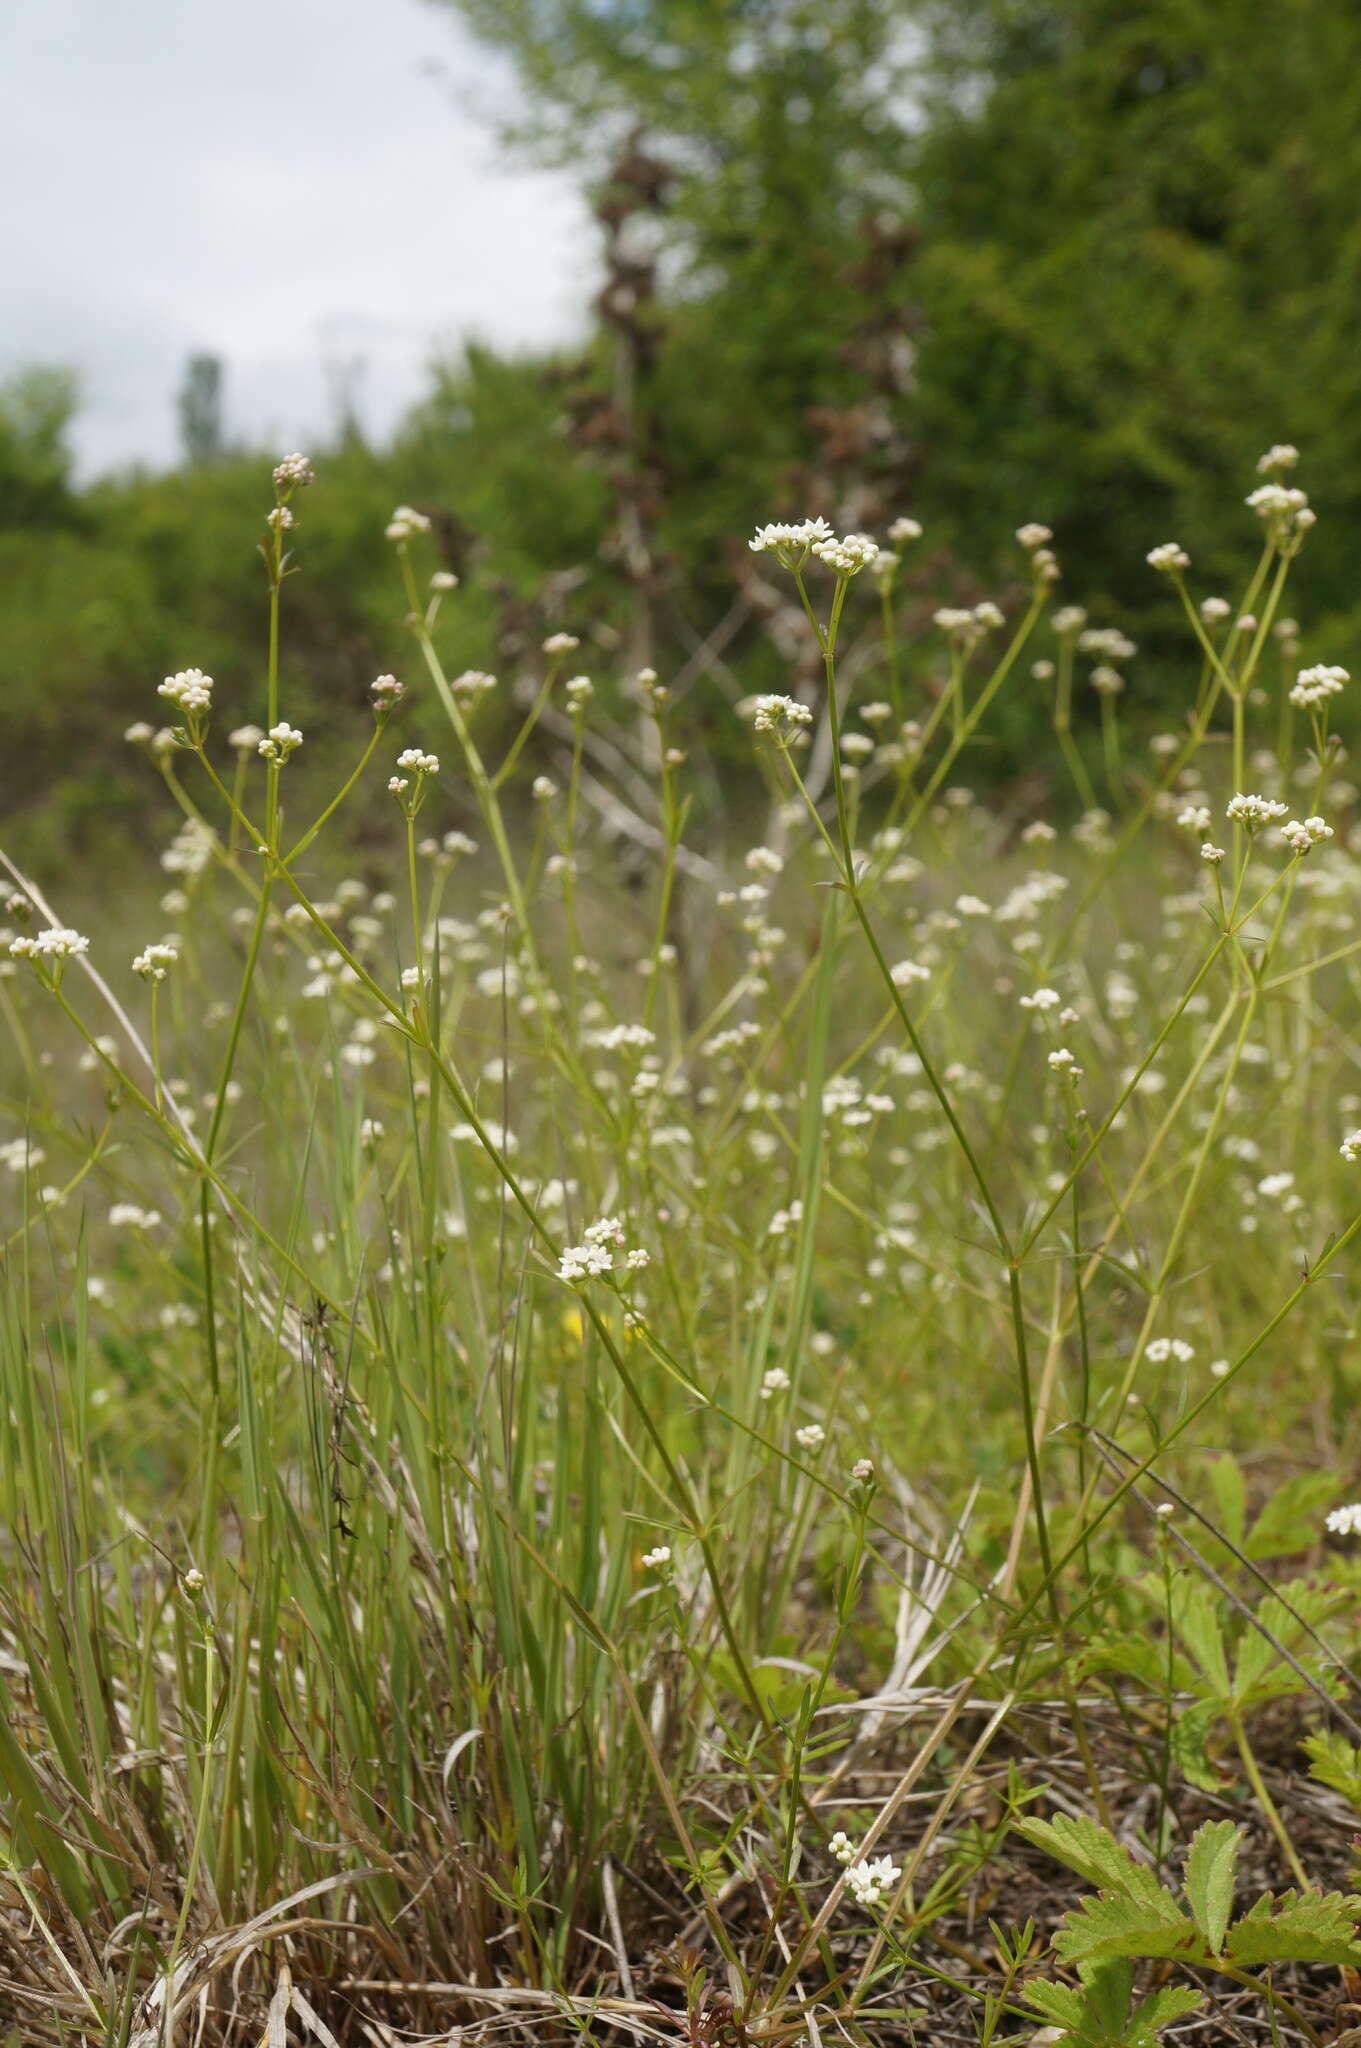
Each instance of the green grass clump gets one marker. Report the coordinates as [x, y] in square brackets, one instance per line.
[588, 1418]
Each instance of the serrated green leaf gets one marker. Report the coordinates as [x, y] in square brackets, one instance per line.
[1173, 2002]
[1116, 1925]
[1195, 1616]
[1230, 1491]
[1210, 1867]
[1058, 2002]
[1107, 1985]
[1335, 1762]
[1190, 1740]
[1290, 1519]
[1296, 1929]
[1095, 1854]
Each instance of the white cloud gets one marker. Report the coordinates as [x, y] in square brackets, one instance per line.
[292, 184]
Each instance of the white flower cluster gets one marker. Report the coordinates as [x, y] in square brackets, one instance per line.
[191, 849]
[1107, 643]
[1069, 619]
[593, 1259]
[1169, 558]
[621, 1038]
[1303, 833]
[128, 1216]
[1252, 812]
[1314, 686]
[155, 962]
[578, 691]
[418, 763]
[811, 1437]
[279, 743]
[405, 523]
[787, 541]
[471, 684]
[1350, 1148]
[190, 691]
[848, 555]
[1284, 510]
[657, 1560]
[48, 951]
[904, 529]
[384, 694]
[966, 628]
[293, 472]
[772, 713]
[1345, 1521]
[871, 1884]
[560, 643]
[1281, 455]
[20, 1157]
[245, 739]
[1163, 1348]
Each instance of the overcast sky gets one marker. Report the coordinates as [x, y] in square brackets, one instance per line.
[291, 184]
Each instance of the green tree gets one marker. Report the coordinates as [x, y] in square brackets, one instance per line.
[200, 409]
[36, 408]
[1142, 264]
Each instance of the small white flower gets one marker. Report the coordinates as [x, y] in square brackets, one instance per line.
[842, 1847]
[811, 1436]
[776, 1381]
[1042, 1000]
[1069, 619]
[863, 1470]
[1281, 455]
[1213, 854]
[1345, 1521]
[189, 690]
[47, 952]
[657, 1560]
[1314, 686]
[560, 643]
[279, 743]
[292, 472]
[1169, 558]
[1252, 812]
[904, 529]
[790, 542]
[1350, 1148]
[584, 1262]
[418, 763]
[848, 555]
[405, 524]
[1303, 833]
[1032, 535]
[871, 1883]
[155, 962]
[771, 713]
[384, 692]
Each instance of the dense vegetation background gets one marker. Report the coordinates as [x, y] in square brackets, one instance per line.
[984, 261]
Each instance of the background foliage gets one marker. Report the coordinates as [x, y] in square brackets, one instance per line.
[986, 261]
